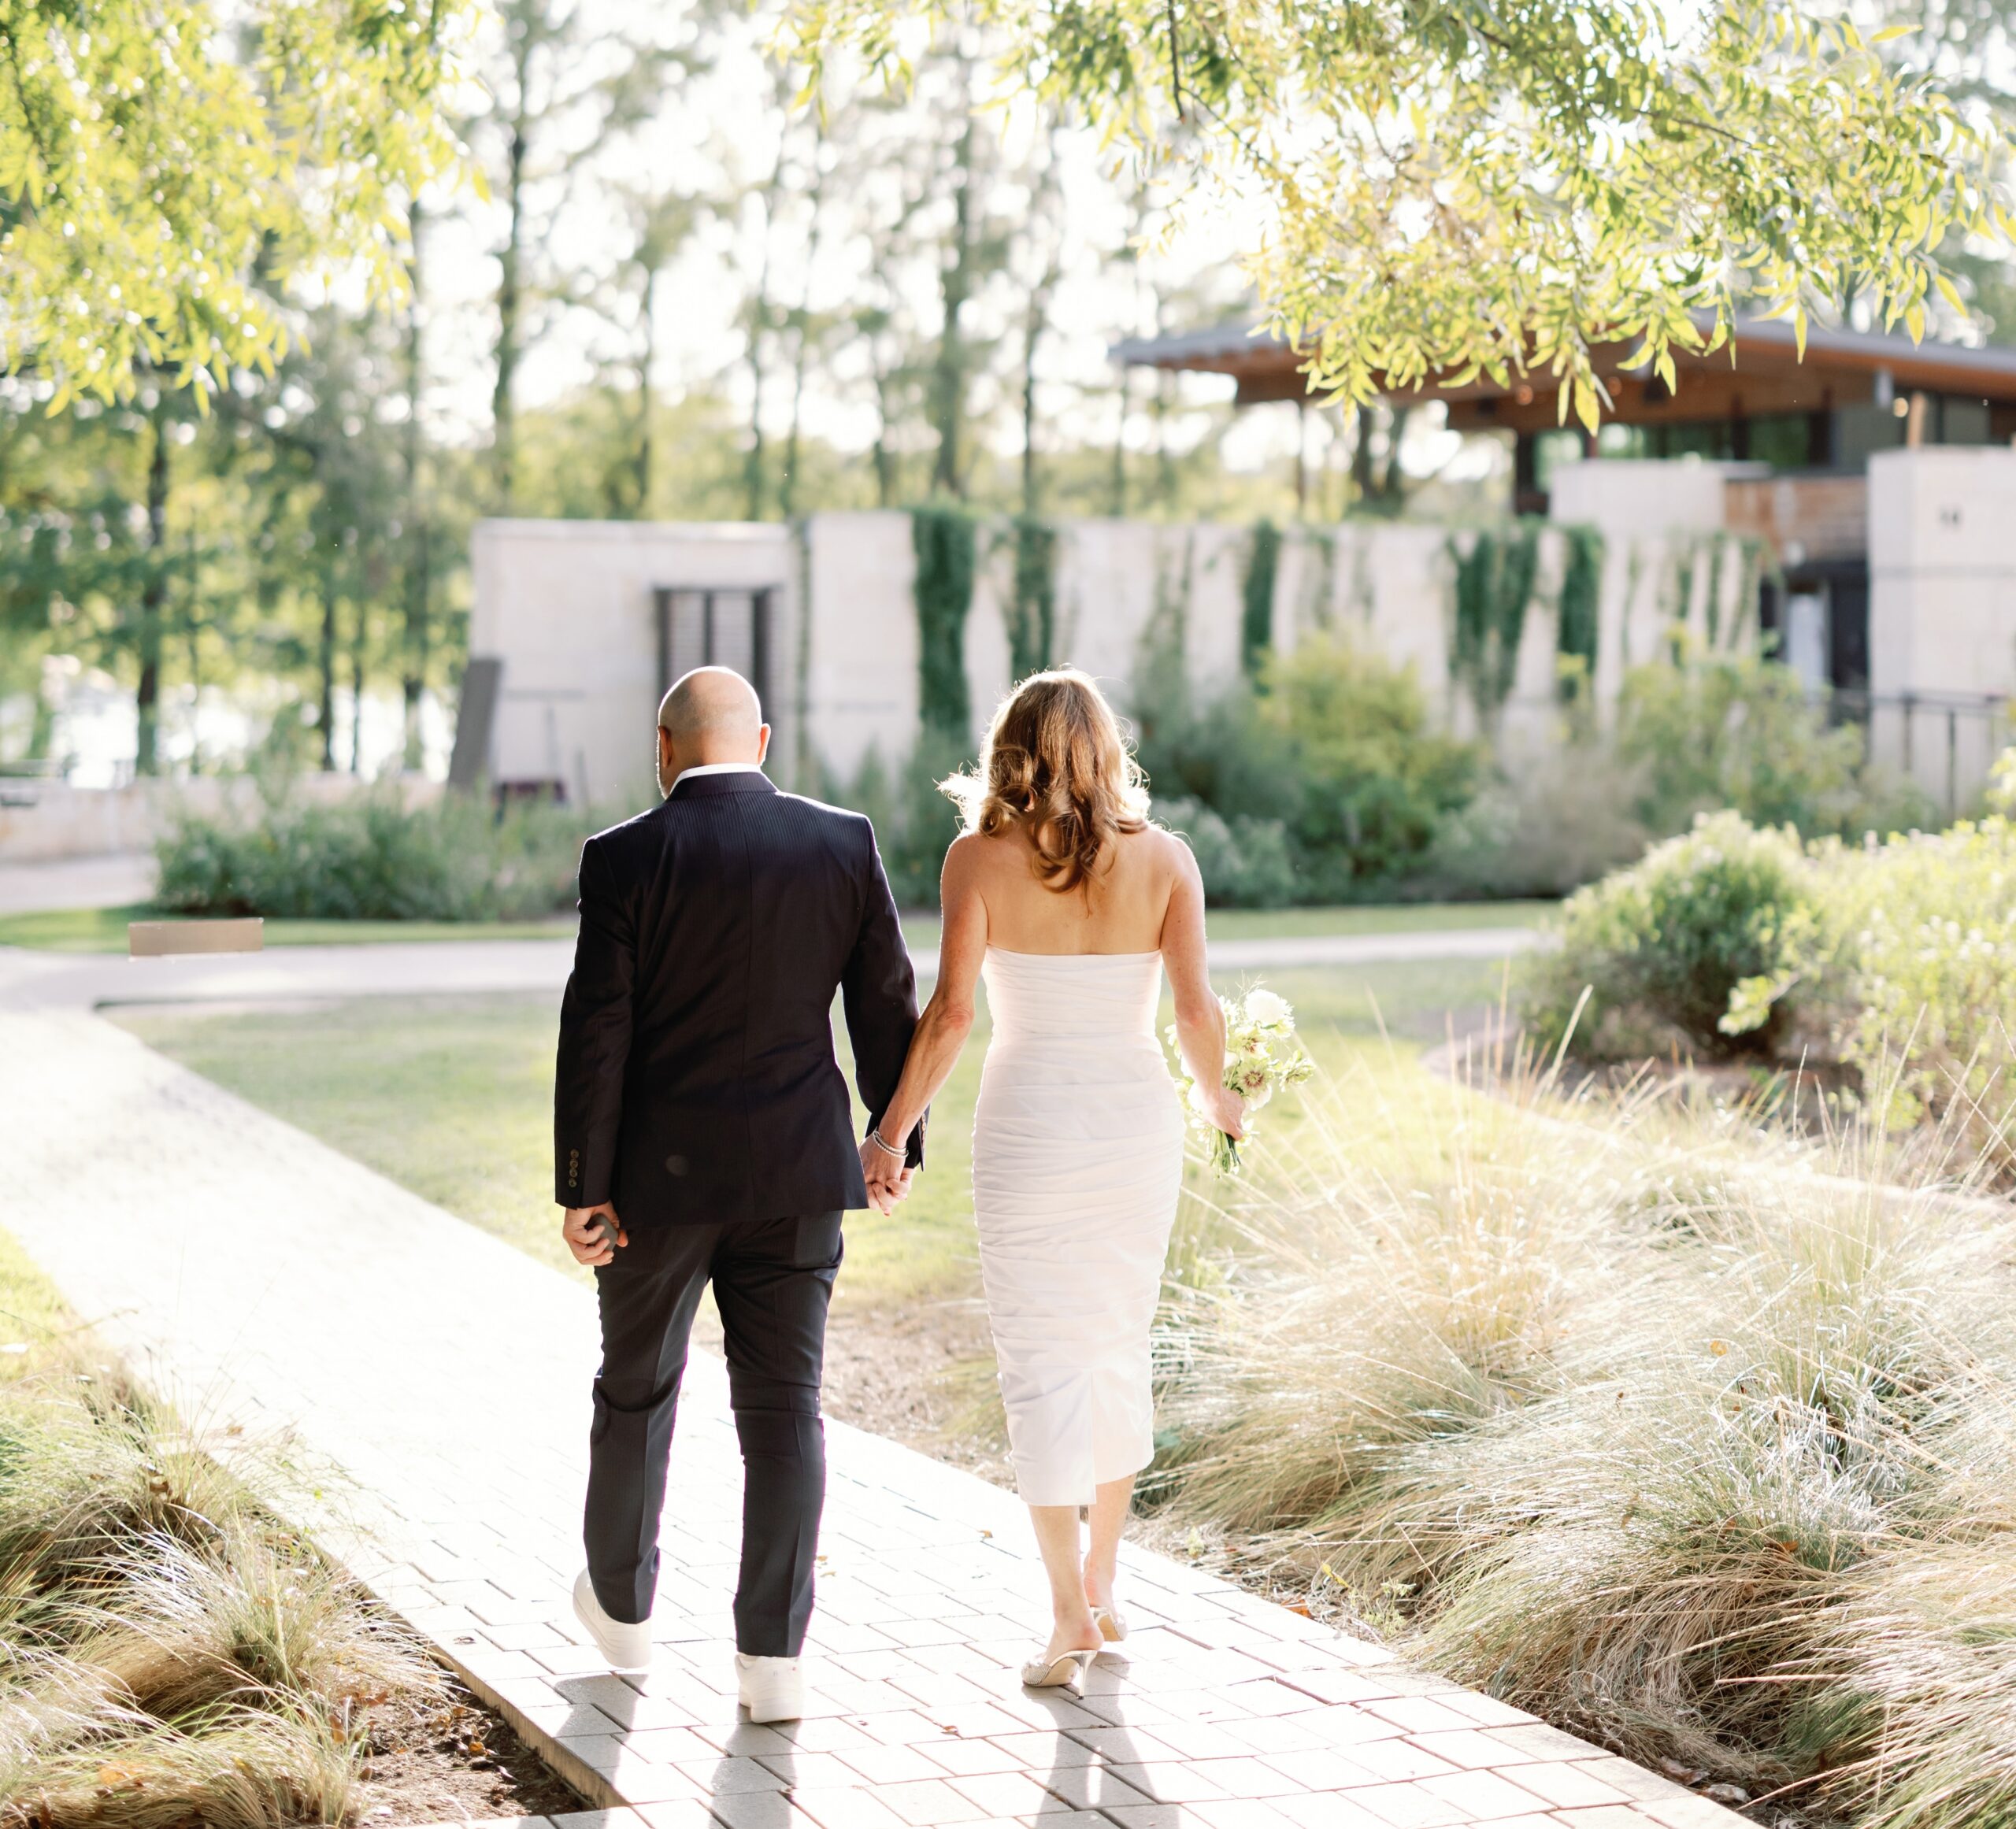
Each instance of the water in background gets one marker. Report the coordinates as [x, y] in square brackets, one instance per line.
[95, 733]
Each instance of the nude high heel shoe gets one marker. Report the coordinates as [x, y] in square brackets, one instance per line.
[1056, 1673]
[1112, 1627]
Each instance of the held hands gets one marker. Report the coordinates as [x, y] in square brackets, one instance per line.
[888, 1177]
[593, 1234]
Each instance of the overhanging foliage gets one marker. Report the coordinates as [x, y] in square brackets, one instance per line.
[1451, 190]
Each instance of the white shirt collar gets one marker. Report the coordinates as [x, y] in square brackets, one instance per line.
[718, 769]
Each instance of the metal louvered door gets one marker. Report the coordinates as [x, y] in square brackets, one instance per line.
[714, 626]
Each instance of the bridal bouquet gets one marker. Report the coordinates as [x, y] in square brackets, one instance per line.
[1262, 1054]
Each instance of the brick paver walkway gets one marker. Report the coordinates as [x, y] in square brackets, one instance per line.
[434, 1382]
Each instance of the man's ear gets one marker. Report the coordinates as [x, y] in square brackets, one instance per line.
[762, 745]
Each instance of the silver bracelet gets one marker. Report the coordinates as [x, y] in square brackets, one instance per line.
[881, 1142]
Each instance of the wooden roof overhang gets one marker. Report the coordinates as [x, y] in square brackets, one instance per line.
[1759, 373]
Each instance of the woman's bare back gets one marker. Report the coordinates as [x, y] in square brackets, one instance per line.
[1120, 910]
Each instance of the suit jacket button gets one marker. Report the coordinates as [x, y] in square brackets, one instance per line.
[675, 1165]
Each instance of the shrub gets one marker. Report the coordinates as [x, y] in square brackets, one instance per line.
[373, 858]
[1742, 733]
[914, 822]
[1244, 861]
[1929, 926]
[1333, 744]
[1661, 947]
[1542, 827]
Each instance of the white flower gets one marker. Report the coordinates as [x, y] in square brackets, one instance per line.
[1265, 1007]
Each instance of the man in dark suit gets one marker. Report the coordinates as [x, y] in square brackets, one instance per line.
[697, 1097]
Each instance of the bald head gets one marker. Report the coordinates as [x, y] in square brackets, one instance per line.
[711, 715]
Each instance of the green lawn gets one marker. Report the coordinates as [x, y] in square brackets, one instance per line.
[452, 1098]
[103, 930]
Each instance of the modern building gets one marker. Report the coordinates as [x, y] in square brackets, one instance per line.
[1792, 439]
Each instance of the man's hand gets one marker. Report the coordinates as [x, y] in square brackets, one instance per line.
[888, 1177]
[588, 1231]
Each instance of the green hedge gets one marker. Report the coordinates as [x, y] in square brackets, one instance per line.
[372, 858]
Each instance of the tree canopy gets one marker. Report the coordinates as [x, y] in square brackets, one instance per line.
[1452, 187]
[163, 168]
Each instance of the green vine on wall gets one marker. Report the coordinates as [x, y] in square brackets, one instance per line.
[1576, 616]
[1032, 603]
[1494, 585]
[1256, 622]
[943, 539]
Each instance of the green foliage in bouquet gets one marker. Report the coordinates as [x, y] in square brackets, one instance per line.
[374, 858]
[1263, 1054]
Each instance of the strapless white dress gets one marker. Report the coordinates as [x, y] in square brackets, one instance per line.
[1077, 1163]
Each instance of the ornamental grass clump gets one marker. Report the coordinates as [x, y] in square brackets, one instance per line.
[169, 1653]
[1684, 1433]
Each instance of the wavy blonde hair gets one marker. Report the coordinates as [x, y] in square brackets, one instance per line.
[1055, 767]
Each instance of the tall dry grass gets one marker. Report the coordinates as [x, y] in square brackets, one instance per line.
[169, 1653]
[1653, 1416]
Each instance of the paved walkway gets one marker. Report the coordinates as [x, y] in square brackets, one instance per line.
[82, 981]
[433, 1384]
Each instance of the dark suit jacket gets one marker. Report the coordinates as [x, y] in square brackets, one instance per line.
[696, 1081]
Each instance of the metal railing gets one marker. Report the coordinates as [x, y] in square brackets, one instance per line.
[1949, 738]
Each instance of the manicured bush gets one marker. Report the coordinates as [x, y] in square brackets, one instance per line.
[373, 857]
[1661, 947]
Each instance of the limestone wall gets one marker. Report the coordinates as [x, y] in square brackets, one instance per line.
[567, 606]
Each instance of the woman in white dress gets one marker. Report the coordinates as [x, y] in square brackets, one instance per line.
[1070, 905]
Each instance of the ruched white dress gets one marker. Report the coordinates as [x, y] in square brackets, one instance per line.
[1077, 1163]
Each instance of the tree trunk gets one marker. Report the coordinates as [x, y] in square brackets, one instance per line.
[418, 585]
[325, 705]
[1118, 505]
[504, 430]
[1031, 333]
[756, 485]
[359, 629]
[885, 458]
[154, 598]
[949, 372]
[801, 348]
[646, 403]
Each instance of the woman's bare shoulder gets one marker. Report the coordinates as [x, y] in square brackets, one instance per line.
[1159, 850]
[978, 855]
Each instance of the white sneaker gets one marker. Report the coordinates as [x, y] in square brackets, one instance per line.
[627, 1648]
[771, 1688]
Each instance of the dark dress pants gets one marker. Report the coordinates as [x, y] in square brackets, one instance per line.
[772, 1279]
